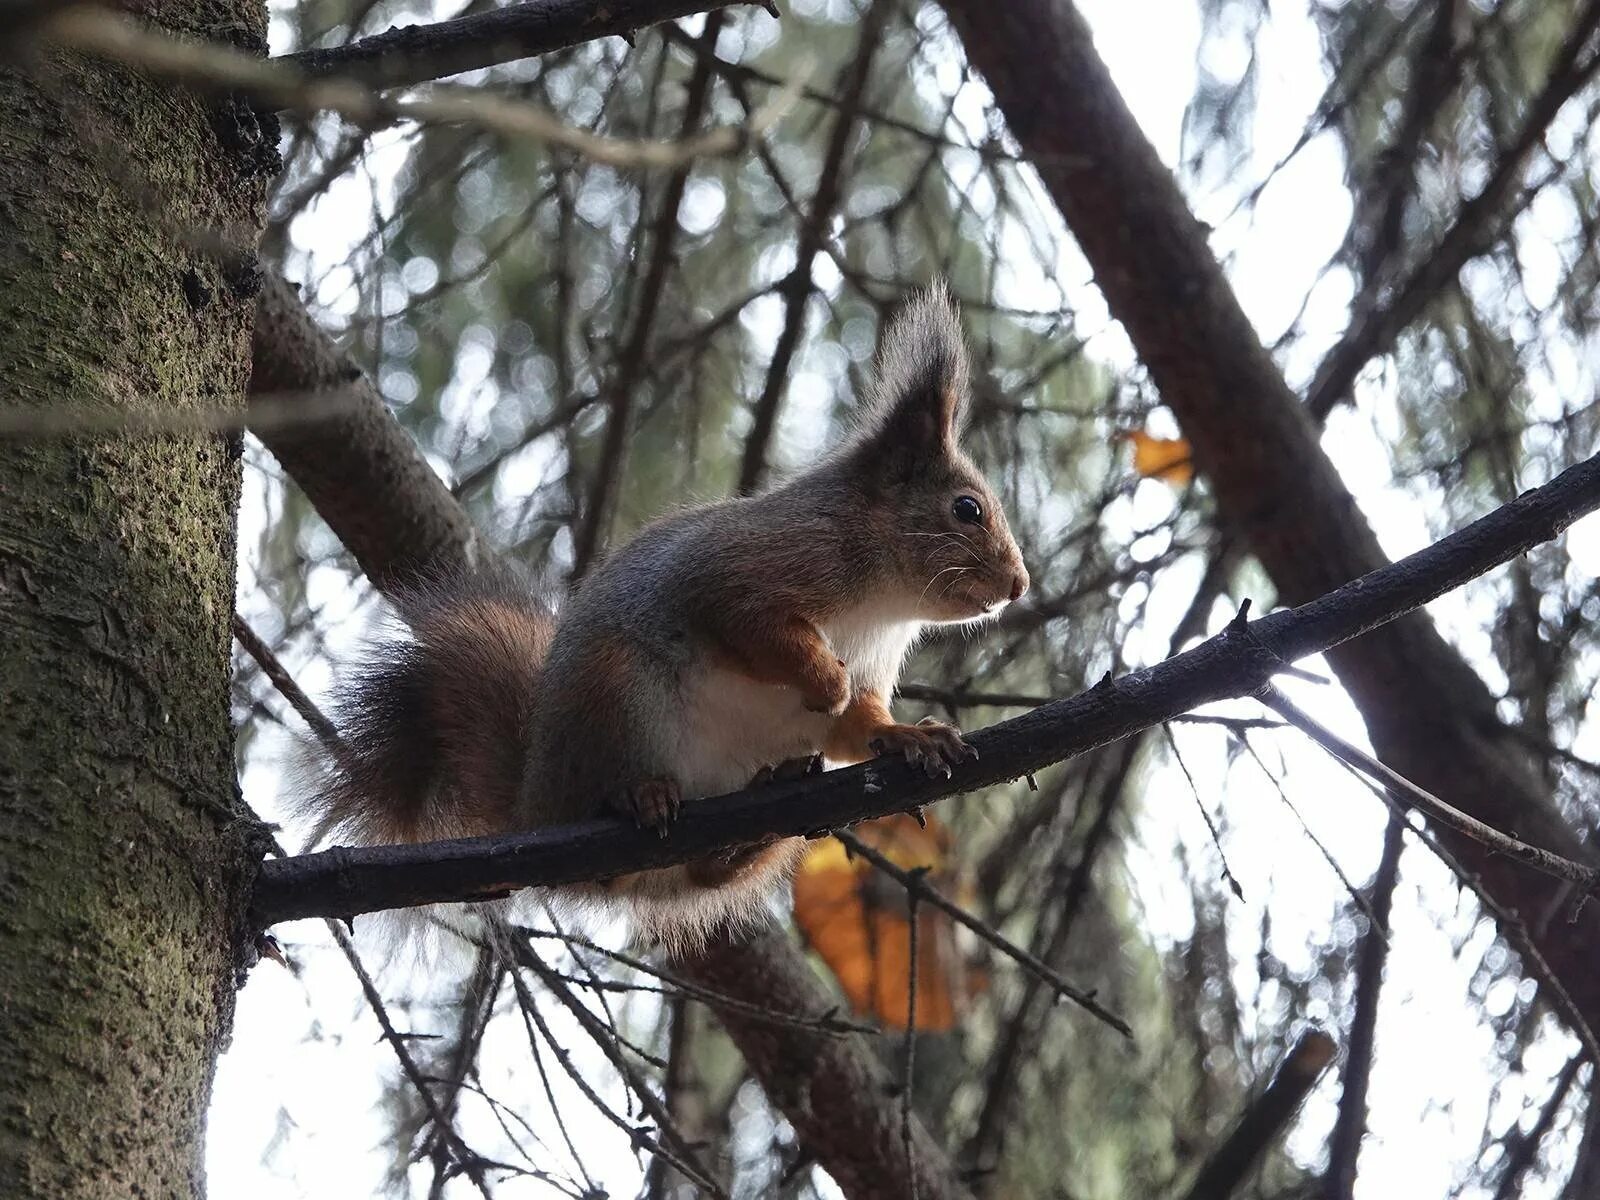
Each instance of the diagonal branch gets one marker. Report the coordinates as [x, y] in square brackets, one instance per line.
[1240, 661]
[1263, 1119]
[834, 1091]
[416, 54]
[917, 887]
[1428, 714]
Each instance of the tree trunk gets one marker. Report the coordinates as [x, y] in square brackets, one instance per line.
[123, 856]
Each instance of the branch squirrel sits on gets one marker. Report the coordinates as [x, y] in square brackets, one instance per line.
[722, 641]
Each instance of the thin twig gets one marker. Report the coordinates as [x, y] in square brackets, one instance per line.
[797, 288]
[468, 1159]
[274, 670]
[1587, 877]
[623, 387]
[1511, 925]
[1231, 879]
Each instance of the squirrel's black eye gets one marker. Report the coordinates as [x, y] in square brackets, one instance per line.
[967, 510]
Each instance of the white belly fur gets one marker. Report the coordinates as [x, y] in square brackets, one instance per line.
[732, 726]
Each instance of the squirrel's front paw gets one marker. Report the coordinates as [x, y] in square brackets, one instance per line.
[929, 744]
[829, 692]
[653, 804]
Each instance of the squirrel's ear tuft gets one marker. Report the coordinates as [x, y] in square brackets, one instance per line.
[919, 398]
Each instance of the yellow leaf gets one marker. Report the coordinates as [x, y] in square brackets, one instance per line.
[1167, 459]
[857, 922]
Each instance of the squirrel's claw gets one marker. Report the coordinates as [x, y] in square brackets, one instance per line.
[654, 804]
[788, 770]
[954, 747]
[929, 744]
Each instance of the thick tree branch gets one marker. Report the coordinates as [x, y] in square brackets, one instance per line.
[1239, 661]
[1427, 712]
[834, 1091]
[418, 53]
[347, 464]
[1263, 1120]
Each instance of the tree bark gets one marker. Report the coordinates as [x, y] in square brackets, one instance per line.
[124, 861]
[1427, 712]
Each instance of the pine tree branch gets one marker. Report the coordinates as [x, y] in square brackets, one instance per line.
[1263, 1120]
[1238, 662]
[418, 53]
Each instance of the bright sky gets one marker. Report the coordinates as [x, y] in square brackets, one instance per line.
[295, 1111]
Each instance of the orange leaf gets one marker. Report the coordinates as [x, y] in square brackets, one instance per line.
[857, 921]
[1168, 459]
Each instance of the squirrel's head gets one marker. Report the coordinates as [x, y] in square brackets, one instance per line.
[940, 523]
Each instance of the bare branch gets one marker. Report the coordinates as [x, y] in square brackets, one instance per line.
[1476, 227]
[1349, 1129]
[835, 1093]
[796, 288]
[284, 682]
[591, 530]
[1586, 877]
[416, 54]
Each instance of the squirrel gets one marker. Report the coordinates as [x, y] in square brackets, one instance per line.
[722, 644]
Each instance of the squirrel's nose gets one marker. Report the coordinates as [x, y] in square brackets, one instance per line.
[1019, 583]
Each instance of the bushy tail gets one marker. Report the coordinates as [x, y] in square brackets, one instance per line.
[434, 725]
